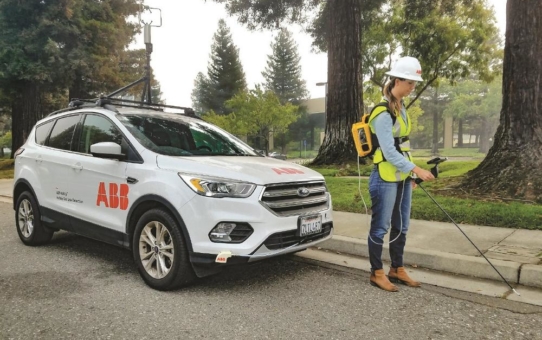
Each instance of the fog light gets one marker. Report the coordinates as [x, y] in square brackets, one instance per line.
[222, 231]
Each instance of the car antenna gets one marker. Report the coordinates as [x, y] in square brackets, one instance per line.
[146, 95]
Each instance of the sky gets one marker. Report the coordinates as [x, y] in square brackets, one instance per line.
[181, 46]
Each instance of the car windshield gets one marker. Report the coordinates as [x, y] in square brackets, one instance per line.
[172, 135]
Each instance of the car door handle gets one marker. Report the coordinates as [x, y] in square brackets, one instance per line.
[39, 159]
[77, 166]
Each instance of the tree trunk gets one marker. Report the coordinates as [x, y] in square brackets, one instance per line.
[76, 88]
[26, 111]
[311, 144]
[484, 136]
[460, 133]
[434, 149]
[513, 166]
[344, 99]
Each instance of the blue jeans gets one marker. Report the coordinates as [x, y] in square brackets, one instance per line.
[390, 206]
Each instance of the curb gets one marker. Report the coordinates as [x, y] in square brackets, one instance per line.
[474, 266]
[485, 287]
[531, 275]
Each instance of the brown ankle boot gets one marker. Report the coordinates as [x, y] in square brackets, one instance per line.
[379, 279]
[399, 275]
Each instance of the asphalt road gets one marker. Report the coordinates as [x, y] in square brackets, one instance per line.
[75, 288]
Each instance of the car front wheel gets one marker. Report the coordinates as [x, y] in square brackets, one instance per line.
[160, 251]
[28, 221]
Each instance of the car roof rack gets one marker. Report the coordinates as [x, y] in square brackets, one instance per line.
[73, 105]
[111, 104]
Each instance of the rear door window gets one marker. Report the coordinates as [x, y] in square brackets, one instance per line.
[62, 133]
[42, 132]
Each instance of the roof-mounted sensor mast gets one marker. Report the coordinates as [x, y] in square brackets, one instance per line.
[146, 95]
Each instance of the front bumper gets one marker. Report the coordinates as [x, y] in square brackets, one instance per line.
[277, 244]
[202, 214]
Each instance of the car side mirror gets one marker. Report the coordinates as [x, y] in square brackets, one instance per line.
[107, 150]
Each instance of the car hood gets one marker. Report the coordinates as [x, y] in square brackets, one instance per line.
[257, 170]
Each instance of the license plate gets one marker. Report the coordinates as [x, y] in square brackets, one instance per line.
[309, 225]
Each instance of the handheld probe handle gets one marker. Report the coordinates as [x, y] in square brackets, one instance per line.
[434, 170]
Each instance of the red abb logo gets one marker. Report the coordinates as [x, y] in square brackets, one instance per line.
[117, 198]
[419, 71]
[287, 171]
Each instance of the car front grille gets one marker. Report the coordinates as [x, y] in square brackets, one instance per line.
[289, 238]
[285, 200]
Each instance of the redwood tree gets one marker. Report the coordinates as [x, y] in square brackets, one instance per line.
[49, 46]
[344, 97]
[32, 36]
[513, 166]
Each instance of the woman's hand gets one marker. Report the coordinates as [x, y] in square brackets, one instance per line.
[423, 174]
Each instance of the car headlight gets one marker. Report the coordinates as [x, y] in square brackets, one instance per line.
[217, 187]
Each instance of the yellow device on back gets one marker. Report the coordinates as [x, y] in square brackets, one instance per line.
[365, 141]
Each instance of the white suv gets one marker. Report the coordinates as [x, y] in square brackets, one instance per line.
[185, 196]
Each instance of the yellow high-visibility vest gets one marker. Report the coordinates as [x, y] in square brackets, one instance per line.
[388, 172]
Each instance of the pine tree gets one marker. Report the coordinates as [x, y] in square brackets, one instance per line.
[225, 76]
[283, 76]
[283, 72]
[200, 93]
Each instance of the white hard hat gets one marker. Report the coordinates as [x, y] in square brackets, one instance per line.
[406, 68]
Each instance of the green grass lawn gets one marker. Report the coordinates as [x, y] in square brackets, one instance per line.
[447, 169]
[6, 168]
[464, 209]
[346, 197]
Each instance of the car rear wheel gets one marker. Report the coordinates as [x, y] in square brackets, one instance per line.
[28, 221]
[160, 251]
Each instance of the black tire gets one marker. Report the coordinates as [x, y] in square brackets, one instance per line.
[167, 262]
[28, 221]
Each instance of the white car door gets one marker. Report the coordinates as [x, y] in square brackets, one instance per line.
[104, 191]
[59, 186]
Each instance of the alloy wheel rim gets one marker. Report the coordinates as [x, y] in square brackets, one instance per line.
[25, 217]
[156, 249]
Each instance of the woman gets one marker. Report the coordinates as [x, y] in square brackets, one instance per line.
[390, 183]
